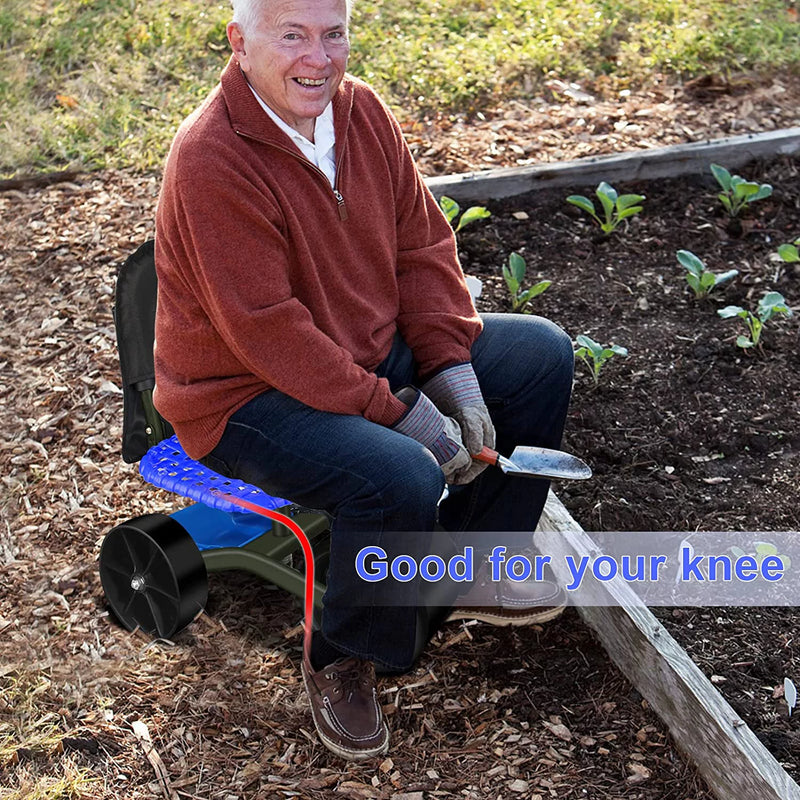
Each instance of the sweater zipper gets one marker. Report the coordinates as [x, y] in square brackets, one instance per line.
[340, 205]
[339, 199]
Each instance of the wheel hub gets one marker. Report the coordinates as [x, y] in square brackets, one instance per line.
[153, 575]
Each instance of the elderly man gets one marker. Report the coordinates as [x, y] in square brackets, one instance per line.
[315, 336]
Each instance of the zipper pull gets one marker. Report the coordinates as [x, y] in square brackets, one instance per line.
[342, 208]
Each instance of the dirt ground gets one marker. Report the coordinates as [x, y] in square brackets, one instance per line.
[700, 433]
[688, 432]
[534, 713]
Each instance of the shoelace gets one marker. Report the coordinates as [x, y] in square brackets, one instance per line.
[349, 680]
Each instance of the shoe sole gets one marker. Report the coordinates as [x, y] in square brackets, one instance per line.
[338, 749]
[509, 619]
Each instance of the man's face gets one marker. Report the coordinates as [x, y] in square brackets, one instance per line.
[295, 57]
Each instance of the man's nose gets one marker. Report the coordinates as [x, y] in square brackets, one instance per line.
[317, 54]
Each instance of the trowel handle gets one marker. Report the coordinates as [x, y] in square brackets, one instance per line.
[488, 455]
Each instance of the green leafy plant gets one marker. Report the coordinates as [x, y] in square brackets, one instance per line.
[762, 550]
[700, 279]
[595, 355]
[789, 252]
[737, 193]
[770, 304]
[615, 207]
[514, 275]
[451, 210]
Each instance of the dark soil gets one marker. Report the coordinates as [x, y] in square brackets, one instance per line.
[686, 391]
[689, 432]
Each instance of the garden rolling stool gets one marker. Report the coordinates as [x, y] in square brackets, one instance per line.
[154, 568]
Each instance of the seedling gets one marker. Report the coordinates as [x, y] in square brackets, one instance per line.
[762, 551]
[451, 210]
[702, 280]
[615, 207]
[737, 193]
[594, 355]
[514, 274]
[770, 304]
[789, 252]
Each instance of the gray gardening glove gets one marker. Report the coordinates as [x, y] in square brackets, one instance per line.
[440, 434]
[456, 393]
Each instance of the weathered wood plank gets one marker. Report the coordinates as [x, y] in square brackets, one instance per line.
[732, 152]
[704, 726]
[25, 182]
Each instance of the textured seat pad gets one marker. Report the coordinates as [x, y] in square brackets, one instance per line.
[167, 466]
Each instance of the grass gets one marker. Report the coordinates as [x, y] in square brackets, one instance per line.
[104, 83]
[30, 739]
[73, 784]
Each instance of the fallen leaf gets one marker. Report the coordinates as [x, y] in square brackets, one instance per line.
[67, 101]
[251, 772]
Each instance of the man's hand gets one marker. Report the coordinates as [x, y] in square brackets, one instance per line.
[440, 434]
[456, 393]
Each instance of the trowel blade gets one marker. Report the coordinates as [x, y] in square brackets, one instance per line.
[541, 462]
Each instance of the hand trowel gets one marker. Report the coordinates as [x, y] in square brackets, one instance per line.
[538, 462]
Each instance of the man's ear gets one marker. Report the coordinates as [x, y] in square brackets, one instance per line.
[236, 41]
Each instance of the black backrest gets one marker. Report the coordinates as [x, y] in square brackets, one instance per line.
[134, 318]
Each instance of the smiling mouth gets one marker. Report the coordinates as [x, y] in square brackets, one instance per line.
[310, 81]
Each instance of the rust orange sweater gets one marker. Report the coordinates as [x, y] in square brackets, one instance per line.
[268, 278]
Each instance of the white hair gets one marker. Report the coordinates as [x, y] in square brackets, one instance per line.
[245, 12]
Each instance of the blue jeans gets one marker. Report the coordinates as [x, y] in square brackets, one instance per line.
[376, 483]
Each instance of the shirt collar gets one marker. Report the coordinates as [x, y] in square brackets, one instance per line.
[323, 128]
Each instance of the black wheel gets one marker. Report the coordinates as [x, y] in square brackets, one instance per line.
[153, 575]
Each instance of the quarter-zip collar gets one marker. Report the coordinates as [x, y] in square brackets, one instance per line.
[248, 118]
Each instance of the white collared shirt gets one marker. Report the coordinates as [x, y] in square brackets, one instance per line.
[319, 152]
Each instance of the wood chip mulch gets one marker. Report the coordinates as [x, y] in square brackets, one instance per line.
[220, 713]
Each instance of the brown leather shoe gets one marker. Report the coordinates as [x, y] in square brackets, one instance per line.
[345, 709]
[507, 602]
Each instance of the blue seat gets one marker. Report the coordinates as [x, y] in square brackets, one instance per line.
[167, 466]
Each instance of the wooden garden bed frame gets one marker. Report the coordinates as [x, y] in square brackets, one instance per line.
[704, 727]
[662, 162]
